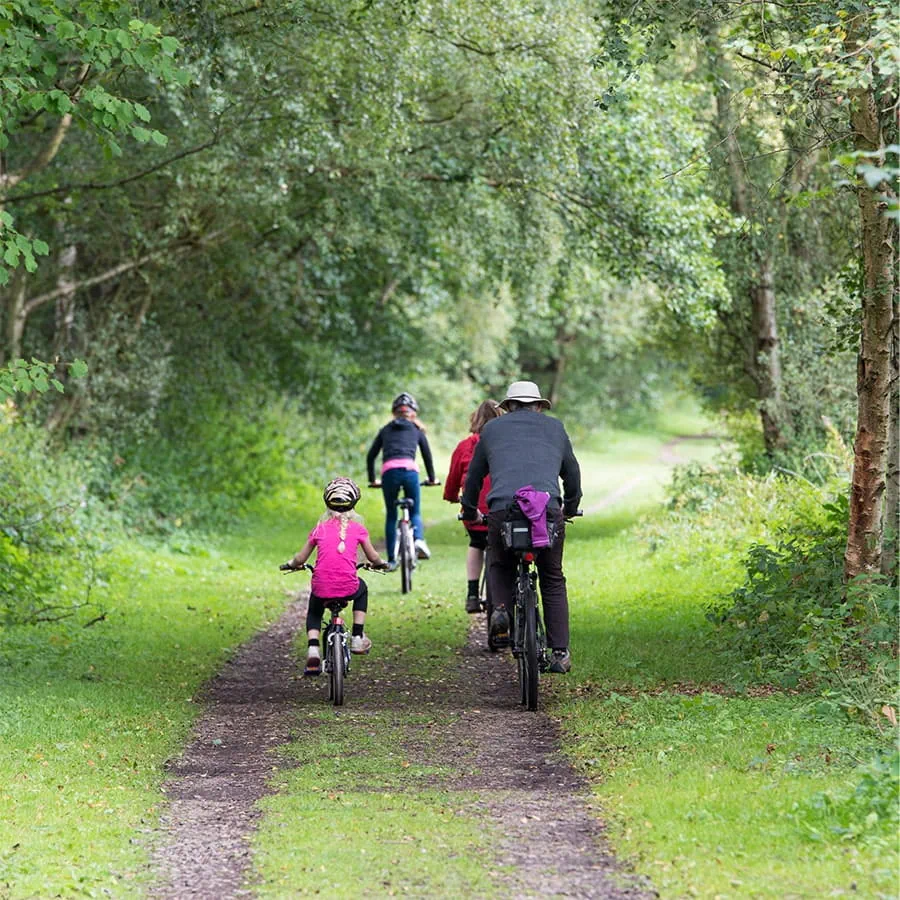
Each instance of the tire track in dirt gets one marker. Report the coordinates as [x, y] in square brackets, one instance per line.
[203, 843]
[544, 831]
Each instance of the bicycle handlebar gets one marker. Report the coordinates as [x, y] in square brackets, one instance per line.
[577, 513]
[436, 483]
[290, 567]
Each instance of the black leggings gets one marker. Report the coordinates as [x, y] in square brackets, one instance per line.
[316, 608]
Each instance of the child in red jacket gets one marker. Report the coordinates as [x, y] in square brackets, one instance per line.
[456, 479]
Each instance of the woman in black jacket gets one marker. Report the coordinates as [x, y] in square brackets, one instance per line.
[398, 443]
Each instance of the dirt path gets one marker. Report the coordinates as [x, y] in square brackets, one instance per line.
[537, 803]
[508, 759]
[538, 807]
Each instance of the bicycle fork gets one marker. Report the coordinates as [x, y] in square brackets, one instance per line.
[526, 592]
[337, 645]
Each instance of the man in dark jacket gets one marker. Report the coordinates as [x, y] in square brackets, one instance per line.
[526, 449]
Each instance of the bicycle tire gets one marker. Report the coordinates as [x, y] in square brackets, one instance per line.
[406, 559]
[530, 653]
[336, 676]
[485, 594]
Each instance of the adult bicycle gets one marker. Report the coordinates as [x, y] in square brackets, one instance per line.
[405, 541]
[335, 638]
[529, 639]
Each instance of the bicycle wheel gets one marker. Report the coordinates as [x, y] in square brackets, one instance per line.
[336, 676]
[529, 658]
[406, 557]
[485, 594]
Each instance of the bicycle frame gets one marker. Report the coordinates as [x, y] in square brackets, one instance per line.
[405, 550]
[404, 542]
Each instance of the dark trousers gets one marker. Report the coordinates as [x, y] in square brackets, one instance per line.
[315, 609]
[502, 565]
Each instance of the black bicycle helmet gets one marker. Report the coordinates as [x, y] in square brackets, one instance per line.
[404, 399]
[341, 494]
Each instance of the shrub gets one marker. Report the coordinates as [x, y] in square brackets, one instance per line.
[869, 810]
[794, 619]
[49, 545]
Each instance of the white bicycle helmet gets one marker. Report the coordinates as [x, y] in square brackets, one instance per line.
[404, 399]
[341, 494]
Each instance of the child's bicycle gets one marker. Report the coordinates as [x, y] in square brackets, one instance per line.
[405, 542]
[335, 639]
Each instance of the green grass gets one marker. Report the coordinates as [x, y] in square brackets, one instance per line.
[711, 790]
[90, 716]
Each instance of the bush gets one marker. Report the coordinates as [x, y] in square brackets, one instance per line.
[789, 619]
[49, 545]
[794, 620]
[201, 471]
[869, 811]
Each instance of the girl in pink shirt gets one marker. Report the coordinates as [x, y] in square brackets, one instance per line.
[335, 539]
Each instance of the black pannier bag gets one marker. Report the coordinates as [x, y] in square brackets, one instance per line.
[515, 530]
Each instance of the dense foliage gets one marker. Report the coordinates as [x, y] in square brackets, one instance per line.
[256, 224]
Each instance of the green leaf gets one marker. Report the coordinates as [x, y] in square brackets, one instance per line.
[169, 44]
[159, 138]
[78, 368]
[40, 247]
[65, 30]
[142, 112]
[140, 134]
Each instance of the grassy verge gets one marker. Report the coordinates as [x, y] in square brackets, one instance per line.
[91, 714]
[713, 792]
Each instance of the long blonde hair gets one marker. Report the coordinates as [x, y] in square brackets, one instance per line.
[344, 517]
[412, 417]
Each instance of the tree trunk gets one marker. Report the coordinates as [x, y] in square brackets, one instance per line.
[15, 317]
[65, 301]
[559, 370]
[873, 371]
[892, 487]
[64, 326]
[766, 362]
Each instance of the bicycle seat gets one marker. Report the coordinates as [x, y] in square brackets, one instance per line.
[406, 502]
[336, 604]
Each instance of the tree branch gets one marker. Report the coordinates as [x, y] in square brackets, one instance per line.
[114, 272]
[106, 185]
[46, 156]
